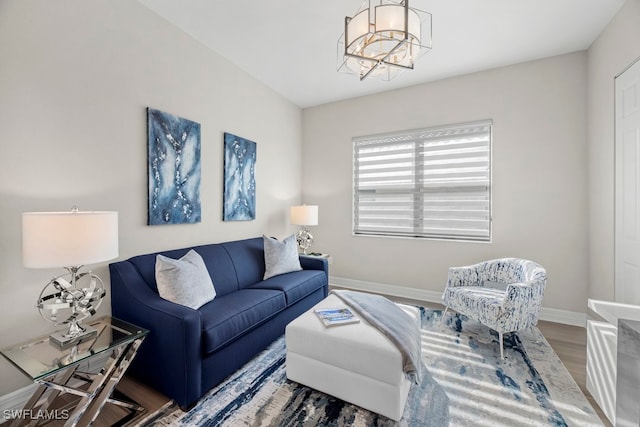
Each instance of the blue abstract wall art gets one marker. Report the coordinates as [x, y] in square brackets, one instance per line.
[239, 179]
[174, 169]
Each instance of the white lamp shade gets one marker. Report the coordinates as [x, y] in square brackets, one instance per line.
[304, 215]
[357, 27]
[390, 17]
[68, 239]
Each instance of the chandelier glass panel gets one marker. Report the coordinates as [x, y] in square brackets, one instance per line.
[383, 38]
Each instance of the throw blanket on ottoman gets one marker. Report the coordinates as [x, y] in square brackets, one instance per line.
[394, 323]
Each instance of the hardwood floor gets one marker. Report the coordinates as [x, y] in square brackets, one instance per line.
[113, 415]
[569, 343]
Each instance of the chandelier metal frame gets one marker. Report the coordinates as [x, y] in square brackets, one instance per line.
[383, 38]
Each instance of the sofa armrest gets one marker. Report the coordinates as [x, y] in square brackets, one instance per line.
[314, 263]
[169, 358]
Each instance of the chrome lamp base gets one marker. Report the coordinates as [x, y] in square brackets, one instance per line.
[63, 302]
[72, 336]
[304, 239]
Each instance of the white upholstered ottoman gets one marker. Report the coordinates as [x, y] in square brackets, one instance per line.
[355, 362]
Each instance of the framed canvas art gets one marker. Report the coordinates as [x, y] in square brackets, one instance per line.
[174, 169]
[239, 202]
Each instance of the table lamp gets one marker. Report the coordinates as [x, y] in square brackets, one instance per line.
[69, 240]
[304, 215]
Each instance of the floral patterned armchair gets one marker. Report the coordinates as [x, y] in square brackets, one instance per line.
[503, 294]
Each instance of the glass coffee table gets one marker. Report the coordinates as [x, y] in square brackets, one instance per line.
[90, 369]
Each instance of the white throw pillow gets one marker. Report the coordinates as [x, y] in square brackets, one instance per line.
[185, 281]
[280, 256]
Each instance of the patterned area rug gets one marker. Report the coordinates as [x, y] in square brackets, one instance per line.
[468, 385]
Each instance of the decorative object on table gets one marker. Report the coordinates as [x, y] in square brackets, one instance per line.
[383, 38]
[174, 169]
[239, 179]
[336, 316]
[69, 240]
[304, 215]
[466, 381]
[503, 294]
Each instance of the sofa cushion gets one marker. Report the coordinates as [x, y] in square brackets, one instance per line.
[221, 268]
[215, 257]
[230, 316]
[280, 257]
[184, 281]
[296, 285]
[248, 258]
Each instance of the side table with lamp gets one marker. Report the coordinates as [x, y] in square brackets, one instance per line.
[57, 362]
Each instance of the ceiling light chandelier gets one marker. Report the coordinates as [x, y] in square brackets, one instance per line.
[383, 38]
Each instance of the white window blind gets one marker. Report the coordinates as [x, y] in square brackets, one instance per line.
[432, 183]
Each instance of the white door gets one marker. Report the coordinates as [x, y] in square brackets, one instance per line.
[627, 186]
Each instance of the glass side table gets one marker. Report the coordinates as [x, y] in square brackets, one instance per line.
[71, 371]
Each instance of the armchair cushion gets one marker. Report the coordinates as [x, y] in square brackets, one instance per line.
[495, 285]
[485, 303]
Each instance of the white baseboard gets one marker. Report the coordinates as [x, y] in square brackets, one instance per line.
[549, 314]
[564, 316]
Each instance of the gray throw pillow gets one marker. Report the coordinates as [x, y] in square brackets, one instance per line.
[185, 281]
[280, 256]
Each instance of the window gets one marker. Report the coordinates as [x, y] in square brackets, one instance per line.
[430, 183]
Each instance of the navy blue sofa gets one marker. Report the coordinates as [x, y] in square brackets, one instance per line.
[188, 352]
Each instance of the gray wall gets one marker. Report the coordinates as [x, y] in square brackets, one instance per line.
[539, 175]
[614, 50]
[75, 79]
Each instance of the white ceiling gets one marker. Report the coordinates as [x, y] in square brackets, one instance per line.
[290, 45]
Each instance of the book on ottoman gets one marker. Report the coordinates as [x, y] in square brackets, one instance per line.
[336, 316]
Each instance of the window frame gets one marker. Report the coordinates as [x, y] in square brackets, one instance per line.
[418, 218]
